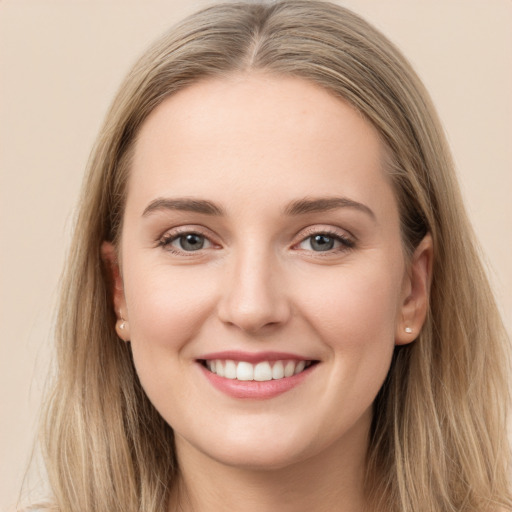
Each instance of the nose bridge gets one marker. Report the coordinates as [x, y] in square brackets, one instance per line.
[253, 296]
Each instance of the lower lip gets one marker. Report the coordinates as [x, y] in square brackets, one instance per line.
[255, 390]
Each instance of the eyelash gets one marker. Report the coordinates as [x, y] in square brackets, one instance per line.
[346, 243]
[166, 240]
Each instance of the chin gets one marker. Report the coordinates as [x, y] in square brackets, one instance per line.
[266, 446]
[258, 458]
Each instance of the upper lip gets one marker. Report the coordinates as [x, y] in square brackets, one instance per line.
[253, 357]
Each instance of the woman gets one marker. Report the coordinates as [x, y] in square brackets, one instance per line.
[274, 300]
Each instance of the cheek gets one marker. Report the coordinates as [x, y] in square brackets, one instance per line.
[354, 314]
[166, 307]
[354, 306]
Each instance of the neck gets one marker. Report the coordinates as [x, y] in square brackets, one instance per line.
[330, 480]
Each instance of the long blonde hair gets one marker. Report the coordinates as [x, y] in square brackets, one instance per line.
[438, 439]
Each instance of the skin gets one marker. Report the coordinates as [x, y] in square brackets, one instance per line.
[252, 144]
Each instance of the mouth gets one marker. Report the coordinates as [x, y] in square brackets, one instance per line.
[255, 376]
[261, 371]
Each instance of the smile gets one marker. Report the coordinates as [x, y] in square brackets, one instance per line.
[261, 372]
[260, 376]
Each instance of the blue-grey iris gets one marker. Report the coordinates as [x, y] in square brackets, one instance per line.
[322, 243]
[191, 242]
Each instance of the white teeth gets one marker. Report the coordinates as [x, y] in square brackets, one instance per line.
[278, 370]
[262, 371]
[289, 369]
[300, 367]
[219, 368]
[230, 370]
[244, 371]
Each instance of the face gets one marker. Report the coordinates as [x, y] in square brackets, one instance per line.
[262, 277]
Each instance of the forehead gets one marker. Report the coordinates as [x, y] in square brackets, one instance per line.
[255, 135]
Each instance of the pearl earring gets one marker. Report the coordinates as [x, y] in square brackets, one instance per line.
[408, 330]
[122, 325]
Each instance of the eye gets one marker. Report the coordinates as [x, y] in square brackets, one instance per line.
[319, 243]
[185, 242]
[325, 242]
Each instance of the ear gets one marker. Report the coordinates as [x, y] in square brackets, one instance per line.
[109, 256]
[416, 293]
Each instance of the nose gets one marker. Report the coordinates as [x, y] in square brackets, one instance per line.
[254, 296]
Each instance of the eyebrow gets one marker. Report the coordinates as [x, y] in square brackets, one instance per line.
[183, 204]
[294, 208]
[323, 204]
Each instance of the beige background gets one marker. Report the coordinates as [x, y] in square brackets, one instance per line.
[60, 64]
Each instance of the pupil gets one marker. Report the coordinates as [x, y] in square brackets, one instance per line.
[322, 243]
[192, 242]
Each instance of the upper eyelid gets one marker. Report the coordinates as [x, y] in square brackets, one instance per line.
[324, 229]
[184, 230]
[300, 236]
